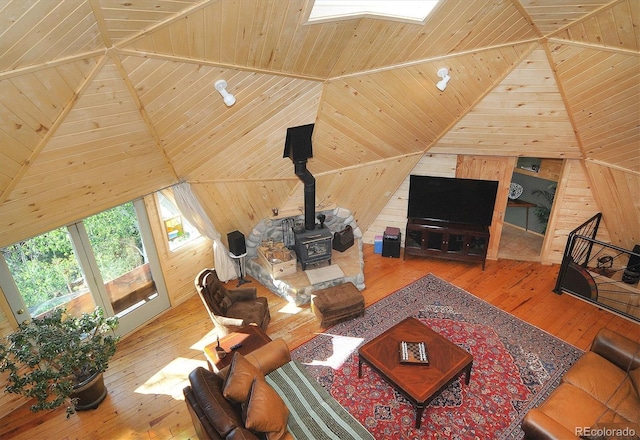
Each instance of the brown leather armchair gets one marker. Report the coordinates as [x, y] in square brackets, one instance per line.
[231, 309]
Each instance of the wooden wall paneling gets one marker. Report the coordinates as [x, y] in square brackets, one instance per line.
[603, 92]
[502, 22]
[551, 15]
[376, 118]
[368, 187]
[523, 116]
[611, 26]
[240, 205]
[454, 26]
[199, 130]
[101, 155]
[374, 133]
[490, 168]
[257, 132]
[124, 20]
[31, 106]
[288, 43]
[394, 213]
[362, 45]
[573, 204]
[617, 194]
[272, 35]
[323, 38]
[550, 244]
[52, 32]
[357, 196]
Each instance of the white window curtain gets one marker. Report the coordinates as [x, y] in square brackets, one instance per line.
[191, 208]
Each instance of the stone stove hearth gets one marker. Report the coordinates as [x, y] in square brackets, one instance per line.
[296, 287]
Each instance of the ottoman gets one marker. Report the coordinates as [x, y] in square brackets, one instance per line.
[337, 303]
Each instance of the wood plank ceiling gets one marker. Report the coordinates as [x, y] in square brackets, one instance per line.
[103, 100]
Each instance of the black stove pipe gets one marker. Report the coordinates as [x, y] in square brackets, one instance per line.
[309, 181]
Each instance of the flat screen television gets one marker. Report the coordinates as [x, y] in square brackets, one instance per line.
[451, 200]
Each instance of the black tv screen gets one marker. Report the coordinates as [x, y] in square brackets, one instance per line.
[452, 200]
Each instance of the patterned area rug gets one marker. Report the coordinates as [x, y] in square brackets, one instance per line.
[515, 366]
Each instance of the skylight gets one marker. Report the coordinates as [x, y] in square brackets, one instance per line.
[402, 10]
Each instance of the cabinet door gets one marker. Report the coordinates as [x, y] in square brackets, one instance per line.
[413, 238]
[455, 243]
[478, 245]
[434, 240]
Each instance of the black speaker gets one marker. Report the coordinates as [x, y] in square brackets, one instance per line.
[391, 245]
[237, 245]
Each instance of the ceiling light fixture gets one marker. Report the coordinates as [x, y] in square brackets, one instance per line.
[444, 74]
[221, 86]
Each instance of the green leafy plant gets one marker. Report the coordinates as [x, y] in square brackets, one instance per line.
[542, 212]
[47, 357]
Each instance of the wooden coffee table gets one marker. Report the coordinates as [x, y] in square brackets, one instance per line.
[251, 337]
[420, 383]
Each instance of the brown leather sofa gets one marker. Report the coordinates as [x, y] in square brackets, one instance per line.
[600, 392]
[216, 417]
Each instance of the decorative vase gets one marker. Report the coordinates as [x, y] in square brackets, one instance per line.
[90, 393]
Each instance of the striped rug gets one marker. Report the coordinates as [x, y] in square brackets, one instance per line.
[313, 413]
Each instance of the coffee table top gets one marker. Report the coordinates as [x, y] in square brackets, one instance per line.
[251, 337]
[418, 381]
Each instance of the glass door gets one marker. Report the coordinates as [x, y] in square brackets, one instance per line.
[108, 259]
[123, 263]
[42, 273]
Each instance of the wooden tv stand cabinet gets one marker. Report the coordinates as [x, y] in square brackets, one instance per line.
[462, 242]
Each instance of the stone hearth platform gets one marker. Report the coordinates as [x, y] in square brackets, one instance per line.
[296, 287]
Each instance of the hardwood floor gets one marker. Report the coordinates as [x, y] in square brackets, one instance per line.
[146, 377]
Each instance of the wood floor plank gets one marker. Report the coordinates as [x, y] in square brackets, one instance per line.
[147, 374]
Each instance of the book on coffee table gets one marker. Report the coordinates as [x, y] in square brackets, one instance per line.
[413, 353]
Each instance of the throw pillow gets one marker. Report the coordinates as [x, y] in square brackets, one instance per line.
[265, 411]
[241, 374]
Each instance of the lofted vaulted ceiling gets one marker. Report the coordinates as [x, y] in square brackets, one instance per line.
[102, 101]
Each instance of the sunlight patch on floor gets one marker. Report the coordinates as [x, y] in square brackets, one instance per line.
[343, 346]
[207, 339]
[290, 309]
[172, 378]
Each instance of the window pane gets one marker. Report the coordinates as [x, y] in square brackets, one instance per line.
[115, 240]
[47, 274]
[179, 231]
[119, 252]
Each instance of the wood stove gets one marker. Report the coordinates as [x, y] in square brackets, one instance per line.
[313, 246]
[313, 243]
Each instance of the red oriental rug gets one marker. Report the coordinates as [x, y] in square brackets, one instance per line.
[515, 366]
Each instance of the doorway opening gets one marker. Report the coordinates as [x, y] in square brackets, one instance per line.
[531, 196]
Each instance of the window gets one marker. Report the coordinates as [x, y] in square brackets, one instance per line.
[107, 260]
[402, 10]
[47, 274]
[178, 230]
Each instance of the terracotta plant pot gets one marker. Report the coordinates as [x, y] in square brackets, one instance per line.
[90, 393]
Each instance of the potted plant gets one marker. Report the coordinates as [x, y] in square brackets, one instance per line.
[60, 358]
[542, 212]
